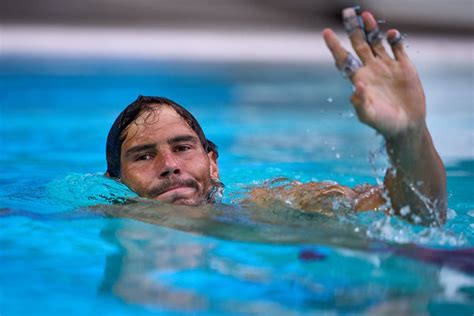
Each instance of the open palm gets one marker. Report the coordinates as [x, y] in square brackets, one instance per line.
[388, 94]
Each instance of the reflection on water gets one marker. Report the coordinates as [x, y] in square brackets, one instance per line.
[240, 258]
[134, 273]
[244, 223]
[245, 259]
[167, 270]
[276, 223]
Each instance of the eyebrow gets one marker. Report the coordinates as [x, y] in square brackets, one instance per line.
[152, 146]
[182, 138]
[140, 148]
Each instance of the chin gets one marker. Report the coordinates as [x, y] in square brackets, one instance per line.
[188, 202]
[183, 200]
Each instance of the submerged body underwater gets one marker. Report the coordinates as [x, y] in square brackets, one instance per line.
[76, 242]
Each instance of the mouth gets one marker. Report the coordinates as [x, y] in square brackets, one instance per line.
[176, 190]
[175, 193]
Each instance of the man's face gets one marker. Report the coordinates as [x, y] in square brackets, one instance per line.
[163, 159]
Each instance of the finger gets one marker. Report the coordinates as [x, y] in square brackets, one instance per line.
[374, 35]
[395, 40]
[356, 34]
[334, 45]
[345, 61]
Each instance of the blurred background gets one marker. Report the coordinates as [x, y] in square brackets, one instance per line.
[98, 55]
[215, 29]
[434, 15]
[180, 43]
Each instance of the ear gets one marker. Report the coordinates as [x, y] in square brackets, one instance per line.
[214, 168]
[107, 174]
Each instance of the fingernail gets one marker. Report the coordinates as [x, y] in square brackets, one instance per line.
[348, 12]
[395, 40]
[351, 20]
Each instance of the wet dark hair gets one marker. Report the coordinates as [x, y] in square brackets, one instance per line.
[130, 113]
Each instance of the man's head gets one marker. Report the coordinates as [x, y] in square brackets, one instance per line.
[158, 149]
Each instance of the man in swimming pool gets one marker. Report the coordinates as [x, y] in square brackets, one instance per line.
[158, 149]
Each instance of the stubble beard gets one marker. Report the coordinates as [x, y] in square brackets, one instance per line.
[211, 196]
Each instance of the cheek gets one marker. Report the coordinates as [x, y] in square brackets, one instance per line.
[136, 180]
[200, 169]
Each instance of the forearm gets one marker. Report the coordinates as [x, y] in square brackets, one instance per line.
[389, 97]
[418, 178]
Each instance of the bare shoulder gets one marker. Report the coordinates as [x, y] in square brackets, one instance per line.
[322, 197]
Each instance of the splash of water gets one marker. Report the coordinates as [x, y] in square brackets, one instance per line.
[391, 228]
[78, 190]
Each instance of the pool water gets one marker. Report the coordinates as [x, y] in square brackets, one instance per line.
[66, 250]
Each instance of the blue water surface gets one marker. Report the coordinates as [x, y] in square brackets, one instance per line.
[269, 121]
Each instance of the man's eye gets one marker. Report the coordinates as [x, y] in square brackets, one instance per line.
[182, 148]
[143, 157]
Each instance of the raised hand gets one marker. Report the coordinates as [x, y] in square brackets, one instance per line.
[389, 97]
[388, 94]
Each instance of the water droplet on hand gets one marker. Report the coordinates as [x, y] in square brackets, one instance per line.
[329, 100]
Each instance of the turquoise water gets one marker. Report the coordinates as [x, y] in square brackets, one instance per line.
[62, 254]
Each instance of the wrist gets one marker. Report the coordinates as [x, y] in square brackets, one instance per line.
[410, 146]
[410, 136]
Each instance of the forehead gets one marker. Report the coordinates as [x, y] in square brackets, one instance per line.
[160, 122]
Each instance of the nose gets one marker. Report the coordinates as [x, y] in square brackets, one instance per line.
[169, 166]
